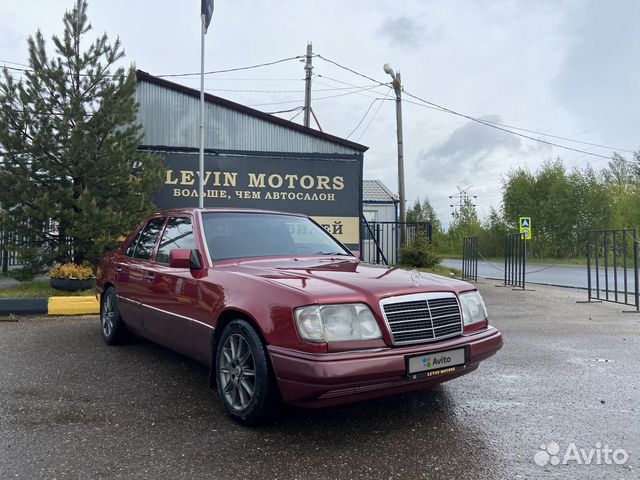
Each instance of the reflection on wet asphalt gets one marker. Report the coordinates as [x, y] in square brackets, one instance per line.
[72, 407]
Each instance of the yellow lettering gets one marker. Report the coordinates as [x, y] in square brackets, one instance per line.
[291, 179]
[256, 180]
[338, 183]
[306, 182]
[169, 180]
[275, 181]
[230, 179]
[187, 177]
[323, 182]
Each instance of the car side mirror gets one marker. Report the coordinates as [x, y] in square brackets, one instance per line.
[183, 258]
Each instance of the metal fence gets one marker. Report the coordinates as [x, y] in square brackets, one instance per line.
[612, 266]
[381, 241]
[470, 255]
[11, 243]
[515, 260]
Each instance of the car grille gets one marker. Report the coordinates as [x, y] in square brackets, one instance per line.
[422, 318]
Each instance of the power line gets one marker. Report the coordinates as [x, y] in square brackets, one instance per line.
[538, 133]
[293, 118]
[318, 98]
[373, 117]
[362, 119]
[497, 127]
[491, 124]
[236, 69]
[351, 70]
[286, 111]
[283, 91]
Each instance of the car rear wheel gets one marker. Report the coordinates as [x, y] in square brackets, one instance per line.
[111, 325]
[244, 377]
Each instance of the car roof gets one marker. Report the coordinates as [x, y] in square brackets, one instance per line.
[177, 211]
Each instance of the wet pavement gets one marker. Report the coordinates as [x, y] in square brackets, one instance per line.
[72, 407]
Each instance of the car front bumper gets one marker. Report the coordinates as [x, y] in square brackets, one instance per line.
[318, 380]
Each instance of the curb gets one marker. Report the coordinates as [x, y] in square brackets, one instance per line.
[23, 306]
[50, 306]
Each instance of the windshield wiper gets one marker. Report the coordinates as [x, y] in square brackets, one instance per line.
[342, 254]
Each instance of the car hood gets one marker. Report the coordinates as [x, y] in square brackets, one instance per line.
[339, 279]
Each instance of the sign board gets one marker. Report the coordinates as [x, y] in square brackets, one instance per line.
[326, 189]
[525, 227]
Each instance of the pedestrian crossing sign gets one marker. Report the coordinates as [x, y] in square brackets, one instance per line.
[525, 227]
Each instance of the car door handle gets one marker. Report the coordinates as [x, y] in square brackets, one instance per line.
[118, 269]
[150, 277]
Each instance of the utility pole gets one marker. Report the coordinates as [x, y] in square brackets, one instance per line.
[307, 85]
[463, 198]
[397, 87]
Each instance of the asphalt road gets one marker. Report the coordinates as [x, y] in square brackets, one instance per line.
[72, 407]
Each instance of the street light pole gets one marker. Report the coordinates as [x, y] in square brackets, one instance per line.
[397, 87]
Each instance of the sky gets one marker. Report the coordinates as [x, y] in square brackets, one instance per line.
[564, 68]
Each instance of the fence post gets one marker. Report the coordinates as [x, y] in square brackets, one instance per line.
[625, 251]
[589, 265]
[597, 244]
[524, 260]
[635, 268]
[615, 263]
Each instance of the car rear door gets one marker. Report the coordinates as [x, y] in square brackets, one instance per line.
[139, 264]
[170, 294]
[128, 304]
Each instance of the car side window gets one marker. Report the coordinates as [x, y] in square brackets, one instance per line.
[132, 246]
[148, 238]
[177, 234]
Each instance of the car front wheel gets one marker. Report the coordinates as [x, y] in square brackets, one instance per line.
[244, 378]
[113, 329]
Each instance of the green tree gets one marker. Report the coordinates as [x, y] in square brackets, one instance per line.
[492, 233]
[69, 142]
[424, 212]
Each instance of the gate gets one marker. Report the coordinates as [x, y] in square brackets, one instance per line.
[515, 260]
[381, 241]
[611, 254]
[470, 259]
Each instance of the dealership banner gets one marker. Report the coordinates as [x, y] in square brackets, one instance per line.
[326, 189]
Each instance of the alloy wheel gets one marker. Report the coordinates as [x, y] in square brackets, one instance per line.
[108, 315]
[237, 372]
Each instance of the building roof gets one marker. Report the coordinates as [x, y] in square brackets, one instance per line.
[376, 191]
[174, 111]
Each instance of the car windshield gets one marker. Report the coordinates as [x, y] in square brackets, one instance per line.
[245, 235]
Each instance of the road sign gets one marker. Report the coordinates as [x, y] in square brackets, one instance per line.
[525, 227]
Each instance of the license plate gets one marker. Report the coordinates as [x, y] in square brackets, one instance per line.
[430, 362]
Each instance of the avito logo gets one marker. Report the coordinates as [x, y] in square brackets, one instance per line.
[442, 360]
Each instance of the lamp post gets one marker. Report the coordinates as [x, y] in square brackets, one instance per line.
[397, 87]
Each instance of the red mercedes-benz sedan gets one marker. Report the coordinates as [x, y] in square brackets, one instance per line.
[281, 310]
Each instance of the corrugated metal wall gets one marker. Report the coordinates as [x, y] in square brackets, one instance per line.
[170, 118]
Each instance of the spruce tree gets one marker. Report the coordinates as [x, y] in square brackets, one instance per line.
[72, 180]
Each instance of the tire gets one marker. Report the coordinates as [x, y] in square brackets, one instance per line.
[114, 331]
[244, 377]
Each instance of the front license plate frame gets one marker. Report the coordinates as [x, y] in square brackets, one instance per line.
[423, 366]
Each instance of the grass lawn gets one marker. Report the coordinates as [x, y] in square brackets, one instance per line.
[438, 270]
[38, 288]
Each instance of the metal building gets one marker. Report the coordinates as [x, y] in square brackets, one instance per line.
[269, 162]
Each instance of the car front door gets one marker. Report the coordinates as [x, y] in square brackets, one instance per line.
[170, 294]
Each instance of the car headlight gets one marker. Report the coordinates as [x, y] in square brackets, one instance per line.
[336, 323]
[473, 308]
